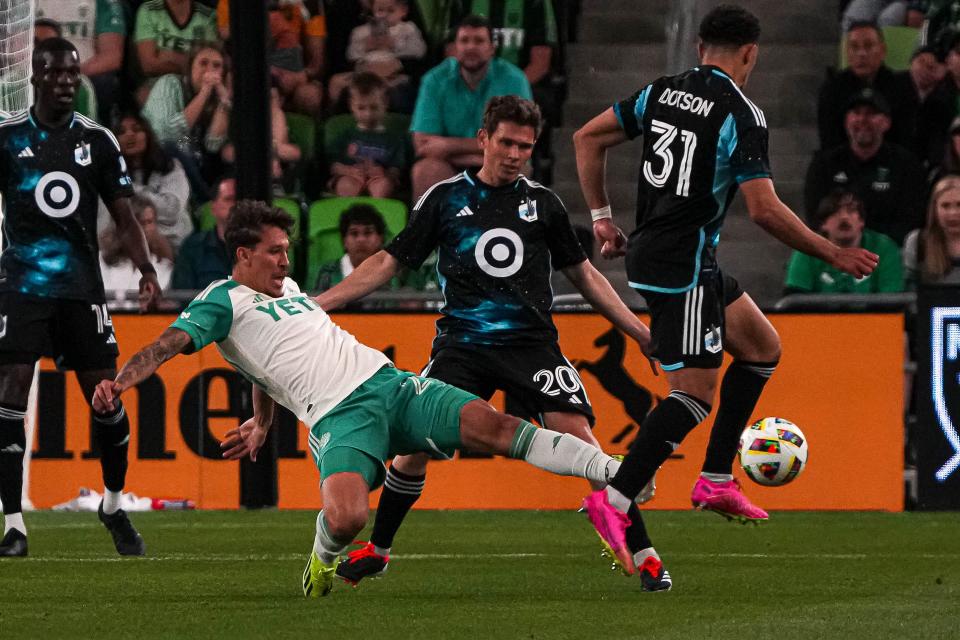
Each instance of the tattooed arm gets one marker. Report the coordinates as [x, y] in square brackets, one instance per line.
[139, 367]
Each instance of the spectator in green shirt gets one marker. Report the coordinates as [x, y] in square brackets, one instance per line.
[167, 30]
[840, 219]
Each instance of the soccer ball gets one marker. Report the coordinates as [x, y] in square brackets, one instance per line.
[773, 451]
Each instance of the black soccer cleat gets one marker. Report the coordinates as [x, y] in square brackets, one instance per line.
[362, 563]
[125, 537]
[13, 545]
[653, 577]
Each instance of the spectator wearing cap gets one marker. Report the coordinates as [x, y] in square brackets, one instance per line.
[887, 177]
[950, 155]
[930, 103]
[840, 219]
[865, 53]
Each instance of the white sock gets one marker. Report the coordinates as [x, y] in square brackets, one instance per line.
[14, 521]
[716, 477]
[380, 551]
[111, 501]
[324, 544]
[617, 500]
[567, 455]
[643, 554]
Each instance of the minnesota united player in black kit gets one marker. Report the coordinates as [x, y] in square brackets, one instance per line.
[54, 164]
[701, 139]
[499, 237]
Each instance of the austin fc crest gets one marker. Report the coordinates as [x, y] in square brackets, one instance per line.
[528, 211]
[945, 380]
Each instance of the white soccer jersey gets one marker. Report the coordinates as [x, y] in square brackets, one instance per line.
[288, 346]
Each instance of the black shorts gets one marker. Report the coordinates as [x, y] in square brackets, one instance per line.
[77, 334]
[538, 378]
[687, 329]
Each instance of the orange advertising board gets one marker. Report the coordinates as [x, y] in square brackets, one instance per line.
[840, 379]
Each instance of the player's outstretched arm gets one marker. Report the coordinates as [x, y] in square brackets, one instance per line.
[135, 244]
[247, 439]
[591, 142]
[776, 218]
[601, 295]
[373, 273]
[140, 367]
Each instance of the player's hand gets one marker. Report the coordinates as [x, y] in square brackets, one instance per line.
[613, 241]
[105, 396]
[245, 440]
[855, 261]
[149, 292]
[646, 346]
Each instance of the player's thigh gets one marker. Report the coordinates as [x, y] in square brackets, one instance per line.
[699, 383]
[83, 337]
[749, 334]
[543, 381]
[24, 336]
[424, 416]
[686, 328]
[462, 368]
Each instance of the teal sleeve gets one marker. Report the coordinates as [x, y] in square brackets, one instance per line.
[523, 86]
[110, 17]
[426, 113]
[164, 109]
[800, 273]
[207, 319]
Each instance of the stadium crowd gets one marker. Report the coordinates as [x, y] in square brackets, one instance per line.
[374, 101]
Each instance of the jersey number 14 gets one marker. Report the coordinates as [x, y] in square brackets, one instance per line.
[661, 147]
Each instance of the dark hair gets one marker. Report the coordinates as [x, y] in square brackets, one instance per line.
[50, 45]
[246, 222]
[154, 157]
[832, 202]
[473, 21]
[365, 83]
[50, 23]
[865, 24]
[511, 109]
[728, 25]
[362, 214]
[215, 187]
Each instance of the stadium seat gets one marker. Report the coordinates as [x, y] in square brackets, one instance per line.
[204, 217]
[303, 133]
[901, 43]
[323, 228]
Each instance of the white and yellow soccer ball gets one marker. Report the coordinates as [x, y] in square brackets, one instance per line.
[773, 451]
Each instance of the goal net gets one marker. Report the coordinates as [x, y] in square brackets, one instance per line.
[16, 46]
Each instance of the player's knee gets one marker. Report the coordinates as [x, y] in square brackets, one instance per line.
[345, 520]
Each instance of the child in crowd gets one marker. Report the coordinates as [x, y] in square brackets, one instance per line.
[367, 158]
[380, 46]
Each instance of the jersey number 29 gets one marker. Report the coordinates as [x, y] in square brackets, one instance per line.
[661, 147]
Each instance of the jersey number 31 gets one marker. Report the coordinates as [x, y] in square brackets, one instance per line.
[661, 147]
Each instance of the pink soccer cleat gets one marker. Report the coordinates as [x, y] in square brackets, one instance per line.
[727, 499]
[611, 526]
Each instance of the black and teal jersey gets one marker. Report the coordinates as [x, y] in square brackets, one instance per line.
[701, 138]
[496, 249]
[50, 180]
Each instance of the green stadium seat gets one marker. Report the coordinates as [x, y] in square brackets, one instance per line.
[323, 228]
[303, 133]
[204, 217]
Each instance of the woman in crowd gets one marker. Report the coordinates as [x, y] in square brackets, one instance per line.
[119, 272]
[191, 114]
[157, 176]
[932, 255]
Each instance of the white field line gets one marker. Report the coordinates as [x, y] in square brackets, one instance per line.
[221, 557]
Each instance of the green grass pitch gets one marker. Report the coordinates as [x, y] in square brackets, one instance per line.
[477, 574]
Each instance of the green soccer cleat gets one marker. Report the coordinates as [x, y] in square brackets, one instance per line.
[318, 577]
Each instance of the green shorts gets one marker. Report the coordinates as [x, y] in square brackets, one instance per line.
[392, 413]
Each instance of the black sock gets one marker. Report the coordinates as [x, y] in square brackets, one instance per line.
[739, 392]
[13, 444]
[113, 437]
[637, 537]
[400, 492]
[662, 431]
